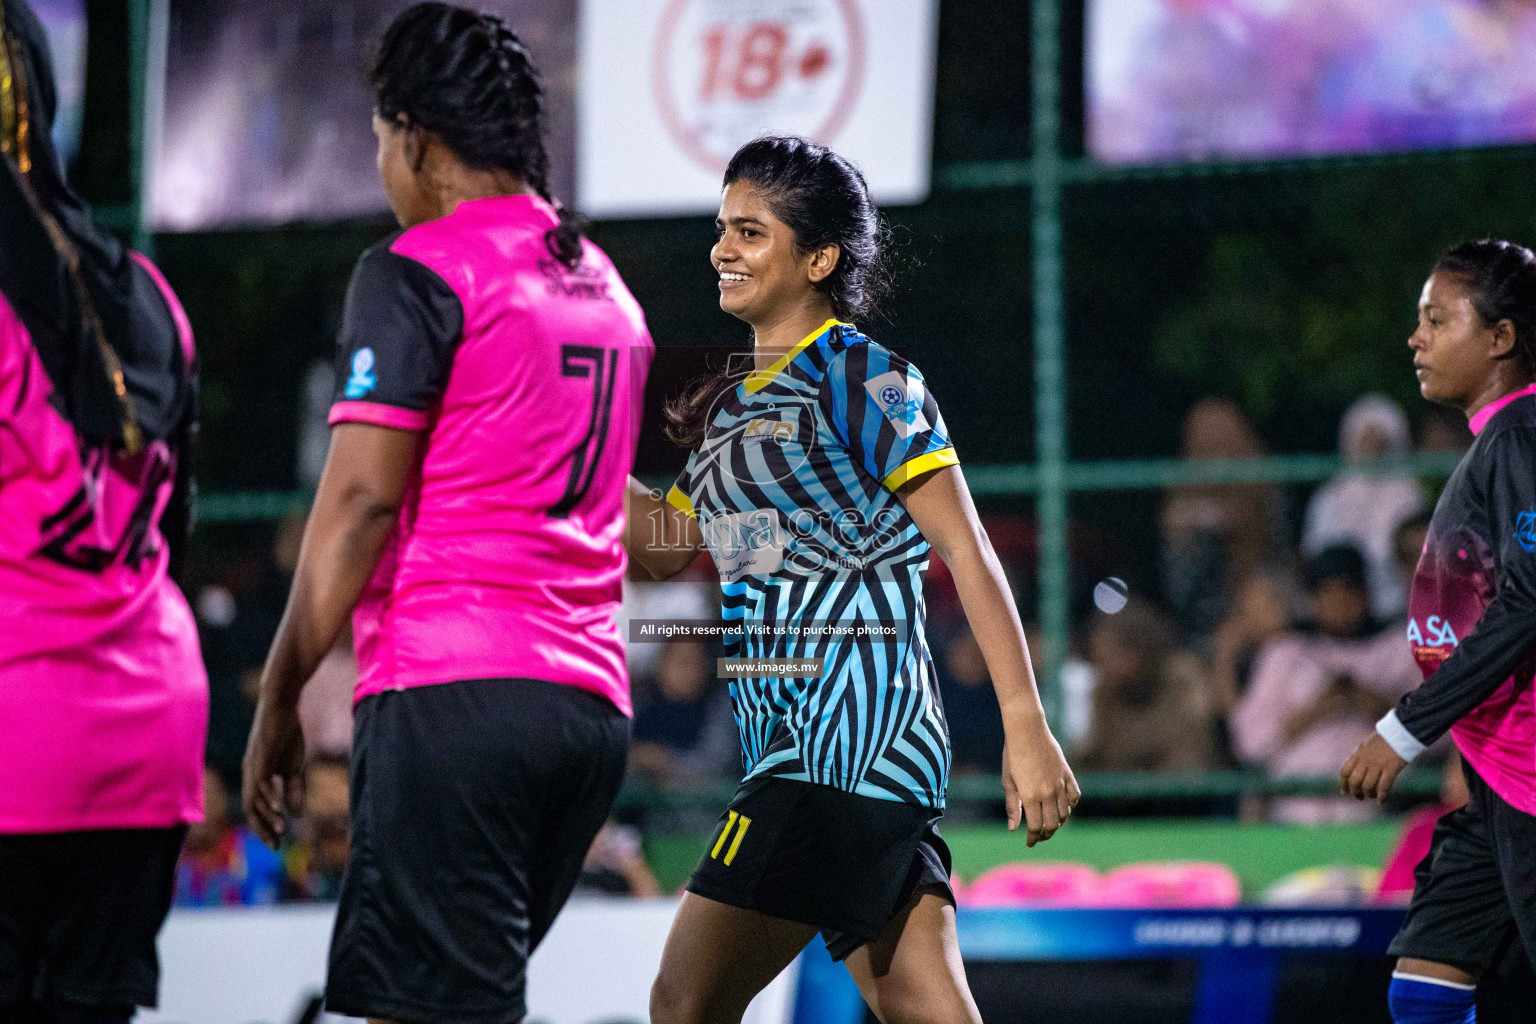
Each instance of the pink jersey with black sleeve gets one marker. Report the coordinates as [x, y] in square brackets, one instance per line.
[525, 379]
[103, 696]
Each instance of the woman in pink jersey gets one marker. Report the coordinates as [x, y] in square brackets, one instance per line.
[470, 519]
[103, 698]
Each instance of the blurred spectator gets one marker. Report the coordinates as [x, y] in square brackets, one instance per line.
[237, 614]
[1217, 535]
[325, 706]
[1261, 613]
[1408, 545]
[317, 857]
[315, 395]
[1362, 510]
[1318, 689]
[681, 598]
[970, 706]
[224, 864]
[1152, 705]
[1443, 429]
[1076, 687]
[1414, 840]
[684, 728]
[615, 865]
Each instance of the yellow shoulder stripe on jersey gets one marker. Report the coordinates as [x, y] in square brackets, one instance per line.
[914, 468]
[678, 500]
[760, 379]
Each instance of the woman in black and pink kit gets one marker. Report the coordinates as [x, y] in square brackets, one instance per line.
[1472, 627]
[103, 698]
[469, 520]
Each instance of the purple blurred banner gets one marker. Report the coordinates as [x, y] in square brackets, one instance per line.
[267, 108]
[1171, 80]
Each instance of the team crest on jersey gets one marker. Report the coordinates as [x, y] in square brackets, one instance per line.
[1437, 632]
[900, 398]
[769, 430]
[1525, 531]
[363, 379]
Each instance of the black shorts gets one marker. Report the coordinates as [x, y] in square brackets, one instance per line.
[79, 912]
[822, 856]
[1474, 893]
[473, 806]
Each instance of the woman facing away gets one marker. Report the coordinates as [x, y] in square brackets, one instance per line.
[819, 481]
[103, 697]
[469, 519]
[1472, 628]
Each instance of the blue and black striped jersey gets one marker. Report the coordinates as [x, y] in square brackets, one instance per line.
[793, 486]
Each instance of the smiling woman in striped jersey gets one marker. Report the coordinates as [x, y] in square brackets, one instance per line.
[819, 479]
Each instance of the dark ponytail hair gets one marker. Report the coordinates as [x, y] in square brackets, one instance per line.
[1502, 278]
[467, 78]
[825, 201]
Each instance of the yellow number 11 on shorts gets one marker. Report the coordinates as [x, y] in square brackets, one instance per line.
[741, 834]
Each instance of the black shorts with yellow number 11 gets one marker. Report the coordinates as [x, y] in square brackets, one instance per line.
[810, 853]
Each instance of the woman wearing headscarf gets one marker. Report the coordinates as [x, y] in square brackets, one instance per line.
[103, 696]
[1215, 536]
[1365, 510]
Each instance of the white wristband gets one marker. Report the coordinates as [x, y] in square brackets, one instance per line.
[1398, 738]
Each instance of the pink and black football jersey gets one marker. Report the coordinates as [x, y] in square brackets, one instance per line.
[103, 696]
[525, 379]
[1472, 616]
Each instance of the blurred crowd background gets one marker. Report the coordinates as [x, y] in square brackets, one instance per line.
[1272, 639]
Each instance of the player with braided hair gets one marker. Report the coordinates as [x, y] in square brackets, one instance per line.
[1472, 626]
[469, 519]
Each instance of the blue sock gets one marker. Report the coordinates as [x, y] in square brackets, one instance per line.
[1417, 1000]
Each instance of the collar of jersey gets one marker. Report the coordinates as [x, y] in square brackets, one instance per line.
[760, 379]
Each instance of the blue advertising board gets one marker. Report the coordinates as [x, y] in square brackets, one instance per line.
[1238, 951]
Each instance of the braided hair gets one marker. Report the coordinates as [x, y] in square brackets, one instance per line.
[468, 78]
[1502, 279]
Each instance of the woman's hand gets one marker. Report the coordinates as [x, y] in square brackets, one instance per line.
[273, 771]
[1371, 770]
[1038, 785]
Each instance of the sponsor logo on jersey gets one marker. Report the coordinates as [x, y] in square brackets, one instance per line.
[743, 544]
[584, 281]
[900, 398]
[363, 379]
[1525, 531]
[765, 430]
[1436, 632]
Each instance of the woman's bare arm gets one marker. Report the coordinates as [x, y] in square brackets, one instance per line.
[1036, 778]
[356, 506]
[661, 537]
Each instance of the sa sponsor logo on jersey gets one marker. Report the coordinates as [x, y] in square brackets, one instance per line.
[1525, 531]
[363, 379]
[1437, 632]
[769, 430]
[900, 398]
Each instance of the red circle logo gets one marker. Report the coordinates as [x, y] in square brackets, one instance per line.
[725, 72]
